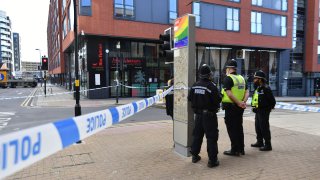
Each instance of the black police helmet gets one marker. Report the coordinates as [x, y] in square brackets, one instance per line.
[205, 71]
[232, 64]
[260, 74]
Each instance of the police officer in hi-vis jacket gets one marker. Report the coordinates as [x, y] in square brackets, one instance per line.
[235, 94]
[262, 103]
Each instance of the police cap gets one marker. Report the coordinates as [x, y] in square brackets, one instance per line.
[232, 64]
[205, 71]
[260, 74]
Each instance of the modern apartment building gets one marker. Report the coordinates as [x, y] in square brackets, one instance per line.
[16, 52]
[6, 47]
[270, 35]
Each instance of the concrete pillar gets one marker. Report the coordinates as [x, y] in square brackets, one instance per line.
[184, 77]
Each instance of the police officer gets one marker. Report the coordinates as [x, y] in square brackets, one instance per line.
[169, 99]
[205, 101]
[235, 94]
[262, 103]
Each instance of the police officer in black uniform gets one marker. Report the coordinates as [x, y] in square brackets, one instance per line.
[205, 101]
[262, 103]
[235, 94]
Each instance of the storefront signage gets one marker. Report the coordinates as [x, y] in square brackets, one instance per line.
[126, 61]
[99, 64]
[181, 28]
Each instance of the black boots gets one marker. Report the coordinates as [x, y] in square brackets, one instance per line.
[195, 158]
[262, 147]
[266, 147]
[258, 144]
[213, 163]
[232, 153]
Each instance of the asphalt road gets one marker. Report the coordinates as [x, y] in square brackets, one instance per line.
[14, 116]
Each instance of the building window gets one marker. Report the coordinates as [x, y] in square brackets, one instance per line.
[85, 7]
[318, 31]
[196, 12]
[256, 24]
[64, 30]
[284, 5]
[172, 11]
[124, 9]
[257, 2]
[232, 19]
[86, 3]
[234, 0]
[283, 26]
[318, 54]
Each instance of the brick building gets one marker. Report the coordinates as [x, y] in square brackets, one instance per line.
[261, 34]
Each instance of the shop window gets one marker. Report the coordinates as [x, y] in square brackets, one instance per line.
[124, 9]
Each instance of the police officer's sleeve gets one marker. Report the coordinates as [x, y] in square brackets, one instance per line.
[227, 83]
[270, 97]
[190, 95]
[215, 95]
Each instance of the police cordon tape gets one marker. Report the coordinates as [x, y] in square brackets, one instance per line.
[23, 148]
[70, 92]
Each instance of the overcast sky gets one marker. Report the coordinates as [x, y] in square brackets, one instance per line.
[29, 19]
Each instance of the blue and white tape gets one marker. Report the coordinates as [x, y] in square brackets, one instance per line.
[295, 107]
[23, 148]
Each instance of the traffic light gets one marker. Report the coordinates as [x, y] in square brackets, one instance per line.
[166, 48]
[44, 63]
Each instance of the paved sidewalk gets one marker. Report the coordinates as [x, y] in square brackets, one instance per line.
[144, 151]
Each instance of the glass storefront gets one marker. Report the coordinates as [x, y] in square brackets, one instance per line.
[140, 69]
[249, 61]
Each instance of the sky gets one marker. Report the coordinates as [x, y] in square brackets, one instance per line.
[29, 18]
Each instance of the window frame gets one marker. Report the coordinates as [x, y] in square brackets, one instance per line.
[256, 3]
[198, 16]
[125, 7]
[256, 23]
[171, 20]
[283, 27]
[233, 20]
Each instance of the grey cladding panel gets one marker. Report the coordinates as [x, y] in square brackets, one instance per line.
[219, 17]
[160, 11]
[143, 10]
[206, 12]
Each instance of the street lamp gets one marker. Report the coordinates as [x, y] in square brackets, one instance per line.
[77, 108]
[117, 72]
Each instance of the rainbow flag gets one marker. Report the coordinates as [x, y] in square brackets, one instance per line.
[181, 27]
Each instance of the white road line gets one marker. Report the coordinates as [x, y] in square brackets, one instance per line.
[5, 118]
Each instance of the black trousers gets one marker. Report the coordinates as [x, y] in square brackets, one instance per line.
[206, 123]
[262, 125]
[234, 120]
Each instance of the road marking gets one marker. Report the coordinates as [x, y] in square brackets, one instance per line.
[5, 118]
